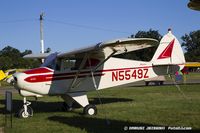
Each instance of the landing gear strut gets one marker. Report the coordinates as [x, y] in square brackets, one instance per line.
[80, 98]
[26, 111]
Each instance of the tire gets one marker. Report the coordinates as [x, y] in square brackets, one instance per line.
[21, 113]
[161, 82]
[90, 110]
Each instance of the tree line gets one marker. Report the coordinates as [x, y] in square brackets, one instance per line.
[11, 58]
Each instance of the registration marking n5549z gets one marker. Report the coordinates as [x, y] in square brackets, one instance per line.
[129, 74]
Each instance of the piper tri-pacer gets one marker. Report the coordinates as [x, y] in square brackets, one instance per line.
[72, 74]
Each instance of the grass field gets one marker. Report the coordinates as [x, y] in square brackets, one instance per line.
[133, 106]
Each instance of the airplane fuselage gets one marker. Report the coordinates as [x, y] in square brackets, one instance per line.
[115, 72]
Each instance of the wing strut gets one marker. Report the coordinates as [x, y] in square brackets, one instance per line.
[75, 83]
[95, 85]
[114, 51]
[94, 69]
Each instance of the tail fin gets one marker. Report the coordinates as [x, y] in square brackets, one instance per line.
[169, 51]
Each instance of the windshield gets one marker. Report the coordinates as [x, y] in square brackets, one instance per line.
[50, 61]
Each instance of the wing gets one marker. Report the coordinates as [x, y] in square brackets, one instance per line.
[37, 56]
[105, 49]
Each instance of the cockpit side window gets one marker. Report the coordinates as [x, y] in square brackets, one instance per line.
[66, 64]
[90, 63]
[74, 64]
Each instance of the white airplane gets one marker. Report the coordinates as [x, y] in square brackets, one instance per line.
[72, 74]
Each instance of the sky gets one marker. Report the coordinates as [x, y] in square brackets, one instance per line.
[71, 24]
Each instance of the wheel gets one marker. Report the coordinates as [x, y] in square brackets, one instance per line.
[22, 114]
[90, 110]
[66, 107]
[161, 82]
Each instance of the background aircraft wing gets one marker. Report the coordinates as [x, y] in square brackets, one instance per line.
[104, 49]
[2, 75]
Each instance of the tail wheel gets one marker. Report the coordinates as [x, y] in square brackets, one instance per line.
[146, 83]
[90, 110]
[22, 113]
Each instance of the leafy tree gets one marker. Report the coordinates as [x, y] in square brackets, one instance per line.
[9, 57]
[148, 34]
[10, 52]
[5, 62]
[48, 50]
[12, 58]
[191, 43]
[26, 52]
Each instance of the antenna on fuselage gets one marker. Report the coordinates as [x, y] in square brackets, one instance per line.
[41, 34]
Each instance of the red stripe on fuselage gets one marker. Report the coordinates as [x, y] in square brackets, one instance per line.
[118, 69]
[63, 76]
[71, 75]
[38, 71]
[52, 77]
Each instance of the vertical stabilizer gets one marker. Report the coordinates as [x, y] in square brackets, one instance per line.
[169, 51]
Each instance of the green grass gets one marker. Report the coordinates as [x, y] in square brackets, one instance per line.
[188, 77]
[132, 106]
[193, 75]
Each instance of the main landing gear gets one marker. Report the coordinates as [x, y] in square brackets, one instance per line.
[87, 110]
[80, 98]
[26, 111]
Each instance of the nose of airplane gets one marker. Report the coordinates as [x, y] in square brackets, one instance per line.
[19, 80]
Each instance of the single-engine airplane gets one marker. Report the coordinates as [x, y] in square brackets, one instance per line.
[72, 74]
